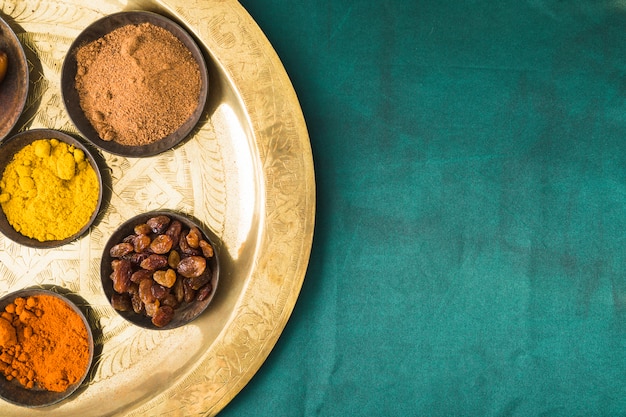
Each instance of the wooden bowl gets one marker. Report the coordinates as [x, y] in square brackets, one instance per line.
[14, 87]
[187, 311]
[14, 144]
[14, 392]
[71, 99]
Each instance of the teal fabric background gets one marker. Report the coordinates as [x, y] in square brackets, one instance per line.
[469, 255]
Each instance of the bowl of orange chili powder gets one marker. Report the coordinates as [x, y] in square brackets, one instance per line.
[46, 347]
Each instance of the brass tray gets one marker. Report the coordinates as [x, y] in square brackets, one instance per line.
[246, 172]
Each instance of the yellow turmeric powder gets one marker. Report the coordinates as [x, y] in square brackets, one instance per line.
[49, 190]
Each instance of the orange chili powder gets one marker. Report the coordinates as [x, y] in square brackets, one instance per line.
[43, 343]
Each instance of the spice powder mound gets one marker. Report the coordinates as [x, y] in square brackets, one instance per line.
[49, 190]
[44, 344]
[137, 84]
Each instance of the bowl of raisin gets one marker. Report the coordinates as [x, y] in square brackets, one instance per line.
[160, 269]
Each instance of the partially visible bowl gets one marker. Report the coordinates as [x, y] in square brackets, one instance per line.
[71, 97]
[12, 391]
[185, 312]
[9, 147]
[14, 87]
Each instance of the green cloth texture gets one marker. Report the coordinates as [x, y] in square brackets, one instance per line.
[469, 256]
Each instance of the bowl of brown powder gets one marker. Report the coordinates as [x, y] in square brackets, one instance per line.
[134, 83]
[46, 347]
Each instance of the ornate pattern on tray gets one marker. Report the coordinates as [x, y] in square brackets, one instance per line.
[246, 172]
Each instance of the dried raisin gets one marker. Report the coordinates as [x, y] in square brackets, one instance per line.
[204, 292]
[142, 229]
[141, 243]
[122, 272]
[154, 262]
[166, 278]
[174, 230]
[192, 266]
[145, 291]
[207, 249]
[161, 244]
[121, 302]
[193, 237]
[158, 224]
[163, 316]
[121, 249]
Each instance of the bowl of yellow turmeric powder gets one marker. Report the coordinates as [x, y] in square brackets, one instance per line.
[46, 347]
[50, 188]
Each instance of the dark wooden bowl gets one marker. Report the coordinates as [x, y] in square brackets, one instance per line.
[187, 311]
[15, 393]
[9, 147]
[71, 99]
[14, 87]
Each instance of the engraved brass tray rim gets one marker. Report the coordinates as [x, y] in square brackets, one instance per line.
[286, 183]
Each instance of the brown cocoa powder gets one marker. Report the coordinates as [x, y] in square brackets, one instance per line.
[137, 84]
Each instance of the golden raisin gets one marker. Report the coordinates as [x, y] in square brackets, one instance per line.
[4, 64]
